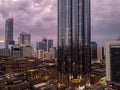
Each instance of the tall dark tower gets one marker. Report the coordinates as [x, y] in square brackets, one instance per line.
[44, 40]
[50, 44]
[74, 37]
[8, 32]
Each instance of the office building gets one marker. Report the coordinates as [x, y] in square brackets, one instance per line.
[44, 40]
[24, 39]
[40, 54]
[101, 53]
[47, 56]
[52, 52]
[50, 44]
[27, 51]
[93, 50]
[8, 32]
[41, 46]
[16, 51]
[4, 52]
[74, 38]
[113, 64]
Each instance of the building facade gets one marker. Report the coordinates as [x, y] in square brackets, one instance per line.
[45, 41]
[8, 32]
[24, 39]
[50, 44]
[101, 53]
[74, 38]
[4, 52]
[27, 51]
[113, 64]
[52, 52]
[16, 51]
[40, 54]
[93, 50]
[40, 46]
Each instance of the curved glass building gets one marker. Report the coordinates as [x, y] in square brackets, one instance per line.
[74, 37]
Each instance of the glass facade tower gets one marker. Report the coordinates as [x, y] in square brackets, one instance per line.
[74, 56]
[8, 32]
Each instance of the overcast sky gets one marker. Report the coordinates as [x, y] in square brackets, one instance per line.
[39, 18]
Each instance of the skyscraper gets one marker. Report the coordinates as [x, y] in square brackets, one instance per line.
[8, 32]
[24, 39]
[74, 55]
[44, 40]
[113, 64]
[50, 44]
[93, 50]
[41, 46]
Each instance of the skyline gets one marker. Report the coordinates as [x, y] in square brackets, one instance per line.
[39, 18]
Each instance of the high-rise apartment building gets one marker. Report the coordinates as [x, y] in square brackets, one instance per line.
[74, 38]
[113, 64]
[24, 39]
[8, 32]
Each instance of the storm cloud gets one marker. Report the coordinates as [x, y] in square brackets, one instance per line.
[39, 18]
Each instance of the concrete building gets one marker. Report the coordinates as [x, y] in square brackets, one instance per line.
[113, 64]
[101, 55]
[40, 54]
[47, 56]
[16, 51]
[34, 54]
[52, 52]
[8, 32]
[24, 39]
[4, 52]
[27, 51]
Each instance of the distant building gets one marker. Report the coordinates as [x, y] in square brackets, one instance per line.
[8, 31]
[40, 54]
[50, 44]
[93, 50]
[34, 54]
[27, 51]
[43, 55]
[52, 52]
[24, 39]
[41, 46]
[44, 40]
[16, 51]
[47, 56]
[113, 64]
[4, 52]
[100, 53]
